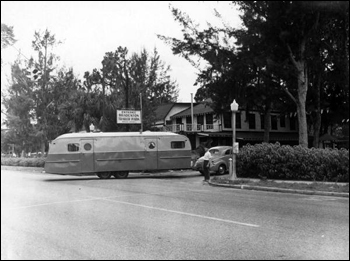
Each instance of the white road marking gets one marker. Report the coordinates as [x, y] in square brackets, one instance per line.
[324, 198]
[181, 213]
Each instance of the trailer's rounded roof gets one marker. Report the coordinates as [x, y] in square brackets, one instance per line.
[116, 134]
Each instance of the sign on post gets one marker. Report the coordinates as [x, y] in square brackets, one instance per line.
[236, 148]
[128, 117]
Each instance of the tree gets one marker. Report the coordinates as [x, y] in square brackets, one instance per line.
[67, 90]
[273, 52]
[150, 78]
[328, 95]
[7, 36]
[109, 86]
[230, 72]
[43, 97]
[35, 107]
[119, 83]
[19, 111]
[290, 28]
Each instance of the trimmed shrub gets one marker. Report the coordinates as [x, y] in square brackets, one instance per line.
[25, 162]
[273, 161]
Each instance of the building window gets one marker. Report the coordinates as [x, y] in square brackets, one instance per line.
[227, 120]
[189, 123]
[178, 126]
[72, 147]
[251, 121]
[282, 121]
[292, 123]
[209, 121]
[200, 119]
[262, 121]
[177, 144]
[238, 120]
[274, 122]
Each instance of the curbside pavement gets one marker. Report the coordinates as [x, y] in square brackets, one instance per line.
[282, 190]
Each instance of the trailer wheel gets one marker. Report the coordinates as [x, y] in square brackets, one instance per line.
[120, 174]
[104, 175]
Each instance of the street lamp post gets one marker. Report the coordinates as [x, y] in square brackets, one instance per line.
[234, 109]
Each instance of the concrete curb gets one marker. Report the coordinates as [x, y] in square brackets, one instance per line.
[282, 190]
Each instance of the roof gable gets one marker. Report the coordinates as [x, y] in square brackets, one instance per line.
[200, 109]
[163, 110]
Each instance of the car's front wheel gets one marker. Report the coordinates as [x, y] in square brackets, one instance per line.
[221, 170]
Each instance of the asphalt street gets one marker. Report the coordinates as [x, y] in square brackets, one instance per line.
[164, 216]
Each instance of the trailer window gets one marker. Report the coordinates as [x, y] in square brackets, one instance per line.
[73, 147]
[177, 144]
[151, 145]
[87, 146]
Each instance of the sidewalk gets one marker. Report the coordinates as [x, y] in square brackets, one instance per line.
[220, 183]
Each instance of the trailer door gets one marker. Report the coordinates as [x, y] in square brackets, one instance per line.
[151, 153]
[87, 155]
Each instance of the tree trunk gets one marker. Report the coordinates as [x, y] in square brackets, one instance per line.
[302, 78]
[317, 123]
[301, 104]
[42, 144]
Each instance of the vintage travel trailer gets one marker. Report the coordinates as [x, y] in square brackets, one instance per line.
[116, 153]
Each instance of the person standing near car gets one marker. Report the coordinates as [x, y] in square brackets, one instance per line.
[206, 165]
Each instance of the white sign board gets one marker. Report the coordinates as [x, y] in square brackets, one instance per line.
[128, 117]
[236, 147]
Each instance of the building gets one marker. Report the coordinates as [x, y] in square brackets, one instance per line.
[214, 130]
[165, 111]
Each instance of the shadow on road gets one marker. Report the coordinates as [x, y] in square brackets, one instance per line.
[132, 176]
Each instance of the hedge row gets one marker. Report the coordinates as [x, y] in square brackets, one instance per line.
[26, 162]
[273, 161]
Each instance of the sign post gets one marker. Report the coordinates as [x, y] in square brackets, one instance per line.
[141, 114]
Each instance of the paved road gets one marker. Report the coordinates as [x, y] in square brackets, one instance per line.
[174, 216]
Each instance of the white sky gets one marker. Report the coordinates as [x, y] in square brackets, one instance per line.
[90, 29]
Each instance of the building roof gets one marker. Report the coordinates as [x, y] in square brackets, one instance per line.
[199, 109]
[163, 109]
[255, 136]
